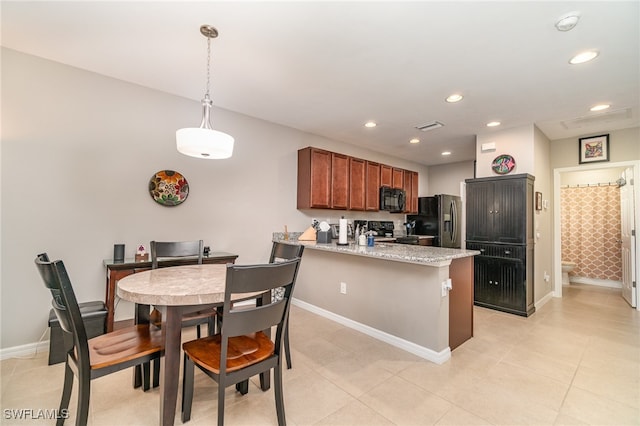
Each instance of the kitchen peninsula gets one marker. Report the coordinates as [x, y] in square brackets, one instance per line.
[392, 292]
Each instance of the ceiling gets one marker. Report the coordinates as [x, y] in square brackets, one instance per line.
[328, 67]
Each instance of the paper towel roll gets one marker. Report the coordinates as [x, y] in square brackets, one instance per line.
[342, 234]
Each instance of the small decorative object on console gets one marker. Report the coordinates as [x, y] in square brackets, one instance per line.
[141, 254]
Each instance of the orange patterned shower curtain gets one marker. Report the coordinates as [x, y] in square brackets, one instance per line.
[591, 231]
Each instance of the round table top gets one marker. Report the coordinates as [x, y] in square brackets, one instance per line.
[175, 285]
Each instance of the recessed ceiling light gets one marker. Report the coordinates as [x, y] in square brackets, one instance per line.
[493, 124]
[567, 21]
[370, 124]
[454, 98]
[583, 57]
[599, 107]
[414, 140]
[446, 153]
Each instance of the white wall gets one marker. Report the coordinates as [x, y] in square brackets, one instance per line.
[624, 145]
[446, 178]
[542, 219]
[517, 142]
[78, 150]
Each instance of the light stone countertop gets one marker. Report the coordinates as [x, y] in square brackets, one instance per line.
[178, 286]
[421, 255]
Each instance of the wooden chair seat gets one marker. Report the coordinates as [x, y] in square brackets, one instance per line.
[244, 348]
[124, 345]
[243, 351]
[90, 359]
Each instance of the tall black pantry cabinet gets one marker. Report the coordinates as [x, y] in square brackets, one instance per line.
[500, 226]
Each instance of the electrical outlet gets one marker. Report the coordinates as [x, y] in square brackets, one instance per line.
[446, 286]
[343, 288]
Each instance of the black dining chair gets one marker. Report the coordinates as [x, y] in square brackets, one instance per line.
[90, 359]
[174, 250]
[280, 252]
[242, 349]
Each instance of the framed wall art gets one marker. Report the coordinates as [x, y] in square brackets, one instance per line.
[594, 149]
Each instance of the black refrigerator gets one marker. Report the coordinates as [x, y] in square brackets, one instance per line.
[441, 217]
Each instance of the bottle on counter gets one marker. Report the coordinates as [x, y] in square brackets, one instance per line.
[362, 240]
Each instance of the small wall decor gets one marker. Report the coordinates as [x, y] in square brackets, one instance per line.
[538, 200]
[503, 164]
[168, 188]
[594, 149]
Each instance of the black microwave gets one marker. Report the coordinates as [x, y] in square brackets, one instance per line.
[392, 199]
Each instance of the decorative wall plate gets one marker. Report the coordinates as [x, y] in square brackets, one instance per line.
[168, 188]
[503, 164]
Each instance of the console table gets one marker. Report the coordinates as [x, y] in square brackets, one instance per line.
[119, 270]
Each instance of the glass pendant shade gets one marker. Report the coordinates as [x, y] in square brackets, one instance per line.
[203, 141]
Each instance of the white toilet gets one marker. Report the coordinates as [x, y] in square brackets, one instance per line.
[566, 268]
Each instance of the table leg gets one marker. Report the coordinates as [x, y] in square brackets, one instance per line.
[169, 379]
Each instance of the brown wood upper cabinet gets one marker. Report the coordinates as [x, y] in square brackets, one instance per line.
[314, 178]
[410, 186]
[398, 178]
[328, 180]
[340, 181]
[386, 175]
[372, 196]
[357, 173]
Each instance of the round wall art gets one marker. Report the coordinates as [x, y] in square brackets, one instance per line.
[168, 188]
[503, 164]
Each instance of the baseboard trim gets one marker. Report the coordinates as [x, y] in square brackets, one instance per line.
[546, 298]
[595, 281]
[421, 351]
[30, 349]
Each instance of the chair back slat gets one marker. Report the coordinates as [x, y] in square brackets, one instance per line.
[249, 320]
[64, 302]
[282, 251]
[258, 278]
[175, 249]
[264, 277]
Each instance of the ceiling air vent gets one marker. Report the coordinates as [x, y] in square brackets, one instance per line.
[597, 119]
[430, 126]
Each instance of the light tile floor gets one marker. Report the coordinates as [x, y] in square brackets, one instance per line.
[576, 361]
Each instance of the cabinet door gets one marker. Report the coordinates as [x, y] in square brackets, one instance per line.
[484, 289]
[357, 188]
[509, 284]
[386, 175]
[414, 192]
[339, 181]
[411, 191]
[510, 213]
[500, 283]
[480, 211]
[372, 195]
[397, 178]
[314, 178]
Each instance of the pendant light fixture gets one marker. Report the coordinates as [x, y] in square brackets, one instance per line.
[203, 141]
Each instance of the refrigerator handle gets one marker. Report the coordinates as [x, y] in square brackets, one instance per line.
[454, 224]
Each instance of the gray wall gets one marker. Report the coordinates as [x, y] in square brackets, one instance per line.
[78, 150]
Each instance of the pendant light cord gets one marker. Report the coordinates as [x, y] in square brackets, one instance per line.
[208, 66]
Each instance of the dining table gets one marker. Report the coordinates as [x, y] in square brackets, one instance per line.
[175, 291]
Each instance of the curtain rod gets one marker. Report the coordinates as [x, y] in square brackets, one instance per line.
[587, 185]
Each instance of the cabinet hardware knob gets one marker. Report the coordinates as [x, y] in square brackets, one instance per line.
[507, 252]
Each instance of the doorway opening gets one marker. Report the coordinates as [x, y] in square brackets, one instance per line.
[557, 181]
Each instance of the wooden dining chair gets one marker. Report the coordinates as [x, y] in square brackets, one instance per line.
[90, 359]
[242, 349]
[173, 250]
[280, 252]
